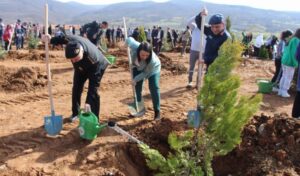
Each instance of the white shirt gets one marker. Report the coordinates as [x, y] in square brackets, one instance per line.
[259, 41]
[196, 35]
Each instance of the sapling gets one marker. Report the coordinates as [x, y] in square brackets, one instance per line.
[142, 35]
[224, 115]
[33, 43]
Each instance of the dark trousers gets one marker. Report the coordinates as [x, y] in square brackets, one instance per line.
[6, 45]
[256, 51]
[296, 106]
[208, 63]
[184, 44]
[278, 73]
[153, 87]
[157, 46]
[93, 98]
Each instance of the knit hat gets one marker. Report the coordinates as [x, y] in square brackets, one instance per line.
[216, 19]
[72, 49]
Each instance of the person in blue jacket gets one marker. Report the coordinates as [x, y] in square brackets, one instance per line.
[216, 35]
[146, 65]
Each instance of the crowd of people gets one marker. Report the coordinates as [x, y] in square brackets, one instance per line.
[85, 53]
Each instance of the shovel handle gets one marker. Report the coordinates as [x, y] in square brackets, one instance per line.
[200, 65]
[47, 62]
[130, 67]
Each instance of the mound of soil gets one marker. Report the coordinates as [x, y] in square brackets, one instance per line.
[156, 136]
[23, 79]
[270, 146]
[119, 53]
[121, 62]
[168, 64]
[52, 48]
[32, 55]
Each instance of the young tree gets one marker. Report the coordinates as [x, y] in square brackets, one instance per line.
[228, 27]
[224, 115]
[142, 35]
[228, 24]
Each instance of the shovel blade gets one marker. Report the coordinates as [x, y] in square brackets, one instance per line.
[133, 110]
[53, 124]
[194, 118]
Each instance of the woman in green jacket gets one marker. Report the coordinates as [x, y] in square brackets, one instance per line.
[146, 65]
[289, 63]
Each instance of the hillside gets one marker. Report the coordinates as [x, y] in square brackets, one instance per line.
[33, 10]
[173, 14]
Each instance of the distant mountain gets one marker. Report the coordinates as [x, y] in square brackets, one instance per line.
[33, 10]
[173, 13]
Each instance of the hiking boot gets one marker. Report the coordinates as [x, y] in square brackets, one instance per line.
[279, 92]
[157, 115]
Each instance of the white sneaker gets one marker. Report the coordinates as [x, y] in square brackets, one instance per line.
[279, 92]
[275, 89]
[72, 119]
[285, 94]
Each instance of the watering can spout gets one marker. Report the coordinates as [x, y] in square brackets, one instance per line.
[100, 127]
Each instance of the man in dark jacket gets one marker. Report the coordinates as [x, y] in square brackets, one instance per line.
[216, 35]
[94, 31]
[89, 63]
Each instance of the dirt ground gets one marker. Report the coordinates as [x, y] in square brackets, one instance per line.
[270, 146]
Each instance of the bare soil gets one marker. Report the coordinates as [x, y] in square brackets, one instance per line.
[270, 144]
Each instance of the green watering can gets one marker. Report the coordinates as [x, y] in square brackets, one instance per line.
[89, 126]
[111, 59]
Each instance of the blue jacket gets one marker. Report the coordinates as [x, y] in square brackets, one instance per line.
[213, 42]
[149, 69]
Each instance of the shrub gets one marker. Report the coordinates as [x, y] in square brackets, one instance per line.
[263, 52]
[33, 43]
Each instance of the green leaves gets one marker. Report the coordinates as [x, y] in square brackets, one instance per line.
[178, 143]
[154, 159]
[225, 113]
[33, 42]
[142, 35]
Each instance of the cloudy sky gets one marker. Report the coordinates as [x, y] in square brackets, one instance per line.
[286, 5]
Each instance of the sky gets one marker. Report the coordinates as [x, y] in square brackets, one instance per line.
[282, 5]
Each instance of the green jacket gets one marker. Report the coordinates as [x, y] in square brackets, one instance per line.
[289, 54]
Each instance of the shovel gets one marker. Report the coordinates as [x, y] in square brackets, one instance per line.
[115, 127]
[53, 123]
[136, 109]
[194, 116]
